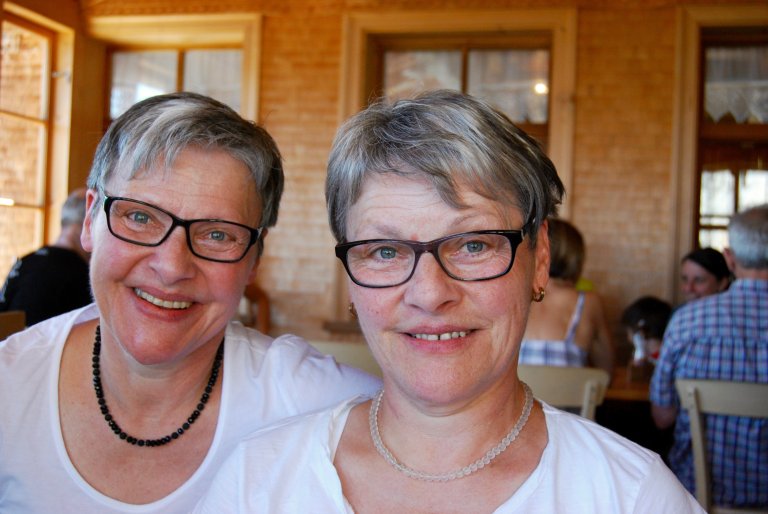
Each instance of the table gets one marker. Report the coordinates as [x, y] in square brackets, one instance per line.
[624, 387]
[627, 411]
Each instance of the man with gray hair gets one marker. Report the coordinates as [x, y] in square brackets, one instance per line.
[723, 337]
[53, 279]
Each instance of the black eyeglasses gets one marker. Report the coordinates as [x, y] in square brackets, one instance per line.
[469, 256]
[145, 224]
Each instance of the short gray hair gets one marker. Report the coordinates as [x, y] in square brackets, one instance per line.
[748, 237]
[449, 138]
[157, 129]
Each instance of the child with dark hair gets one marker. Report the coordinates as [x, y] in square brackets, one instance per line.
[645, 320]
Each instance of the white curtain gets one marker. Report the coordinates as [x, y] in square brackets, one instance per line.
[737, 83]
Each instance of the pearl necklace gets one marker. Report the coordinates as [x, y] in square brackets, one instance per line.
[119, 432]
[373, 420]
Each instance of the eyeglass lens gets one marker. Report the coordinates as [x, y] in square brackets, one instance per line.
[468, 256]
[147, 225]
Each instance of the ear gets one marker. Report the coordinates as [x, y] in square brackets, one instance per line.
[730, 259]
[255, 267]
[541, 258]
[86, 236]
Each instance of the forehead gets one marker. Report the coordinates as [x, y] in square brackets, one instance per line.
[402, 202]
[206, 183]
[694, 268]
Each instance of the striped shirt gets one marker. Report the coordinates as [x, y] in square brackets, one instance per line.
[720, 337]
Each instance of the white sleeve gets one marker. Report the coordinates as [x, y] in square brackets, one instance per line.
[662, 493]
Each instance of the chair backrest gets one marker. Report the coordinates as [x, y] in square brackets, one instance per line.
[351, 353]
[567, 387]
[11, 322]
[701, 397]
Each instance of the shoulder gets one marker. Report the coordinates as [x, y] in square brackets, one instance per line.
[581, 438]
[42, 337]
[322, 426]
[290, 372]
[285, 458]
[619, 471]
[593, 304]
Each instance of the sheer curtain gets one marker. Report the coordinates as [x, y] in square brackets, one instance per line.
[737, 83]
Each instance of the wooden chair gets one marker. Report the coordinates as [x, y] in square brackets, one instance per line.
[564, 387]
[11, 322]
[700, 397]
[353, 354]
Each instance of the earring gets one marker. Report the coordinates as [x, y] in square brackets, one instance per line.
[352, 310]
[539, 296]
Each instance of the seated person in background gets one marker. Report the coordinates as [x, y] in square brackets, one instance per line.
[439, 206]
[703, 272]
[53, 279]
[722, 337]
[132, 403]
[566, 327]
[645, 320]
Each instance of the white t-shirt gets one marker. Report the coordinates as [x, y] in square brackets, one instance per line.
[585, 468]
[264, 380]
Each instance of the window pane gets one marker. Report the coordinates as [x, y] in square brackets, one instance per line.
[717, 239]
[140, 75]
[515, 81]
[216, 73]
[717, 193]
[406, 73]
[20, 230]
[24, 64]
[736, 87]
[22, 151]
[753, 188]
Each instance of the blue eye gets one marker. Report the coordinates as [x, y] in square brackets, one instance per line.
[475, 246]
[139, 217]
[387, 252]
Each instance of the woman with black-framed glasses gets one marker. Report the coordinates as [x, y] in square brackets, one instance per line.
[438, 204]
[131, 404]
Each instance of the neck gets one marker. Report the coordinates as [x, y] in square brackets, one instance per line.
[751, 273]
[69, 238]
[420, 438]
[153, 390]
[560, 283]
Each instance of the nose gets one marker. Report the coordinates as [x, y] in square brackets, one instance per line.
[430, 288]
[172, 260]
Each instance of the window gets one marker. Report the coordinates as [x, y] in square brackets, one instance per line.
[213, 54]
[733, 132]
[510, 72]
[24, 136]
[139, 74]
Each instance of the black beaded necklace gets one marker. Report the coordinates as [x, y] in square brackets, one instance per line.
[119, 432]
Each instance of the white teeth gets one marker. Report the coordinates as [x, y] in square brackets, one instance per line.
[440, 337]
[161, 303]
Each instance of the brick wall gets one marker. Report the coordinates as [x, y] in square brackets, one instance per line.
[621, 197]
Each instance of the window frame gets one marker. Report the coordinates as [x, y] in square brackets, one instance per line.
[684, 171]
[463, 43]
[181, 54]
[42, 205]
[232, 30]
